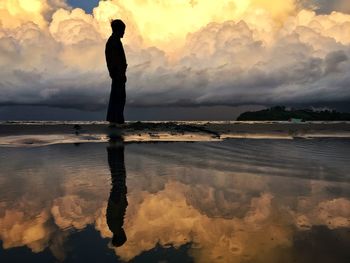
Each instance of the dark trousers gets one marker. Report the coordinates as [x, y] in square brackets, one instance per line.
[116, 104]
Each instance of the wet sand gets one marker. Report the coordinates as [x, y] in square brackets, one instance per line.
[45, 133]
[238, 200]
[206, 202]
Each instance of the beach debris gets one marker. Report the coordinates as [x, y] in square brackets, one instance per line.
[294, 120]
[77, 128]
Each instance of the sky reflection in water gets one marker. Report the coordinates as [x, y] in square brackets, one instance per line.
[232, 201]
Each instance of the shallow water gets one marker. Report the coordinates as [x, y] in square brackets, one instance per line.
[231, 201]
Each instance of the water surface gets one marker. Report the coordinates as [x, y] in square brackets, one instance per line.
[231, 201]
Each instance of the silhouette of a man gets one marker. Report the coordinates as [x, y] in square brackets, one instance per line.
[116, 63]
[117, 201]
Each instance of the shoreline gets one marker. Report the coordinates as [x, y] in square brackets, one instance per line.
[39, 133]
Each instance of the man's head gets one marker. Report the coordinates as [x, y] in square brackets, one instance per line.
[118, 27]
[119, 238]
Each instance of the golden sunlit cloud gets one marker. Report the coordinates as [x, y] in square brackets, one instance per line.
[13, 13]
[164, 23]
[188, 53]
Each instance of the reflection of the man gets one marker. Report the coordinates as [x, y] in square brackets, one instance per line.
[117, 201]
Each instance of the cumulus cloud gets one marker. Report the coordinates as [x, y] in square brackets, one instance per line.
[233, 53]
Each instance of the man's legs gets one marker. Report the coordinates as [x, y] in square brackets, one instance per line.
[116, 105]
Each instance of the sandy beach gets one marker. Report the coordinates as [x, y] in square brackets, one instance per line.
[45, 133]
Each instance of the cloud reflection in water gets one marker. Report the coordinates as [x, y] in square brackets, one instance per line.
[233, 201]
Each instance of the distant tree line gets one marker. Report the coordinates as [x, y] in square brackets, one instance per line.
[279, 113]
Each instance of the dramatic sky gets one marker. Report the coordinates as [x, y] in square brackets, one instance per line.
[181, 53]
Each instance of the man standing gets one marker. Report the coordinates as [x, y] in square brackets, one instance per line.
[116, 63]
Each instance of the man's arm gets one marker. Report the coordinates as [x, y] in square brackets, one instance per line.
[115, 63]
[110, 57]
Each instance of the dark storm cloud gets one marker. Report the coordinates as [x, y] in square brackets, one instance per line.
[328, 6]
